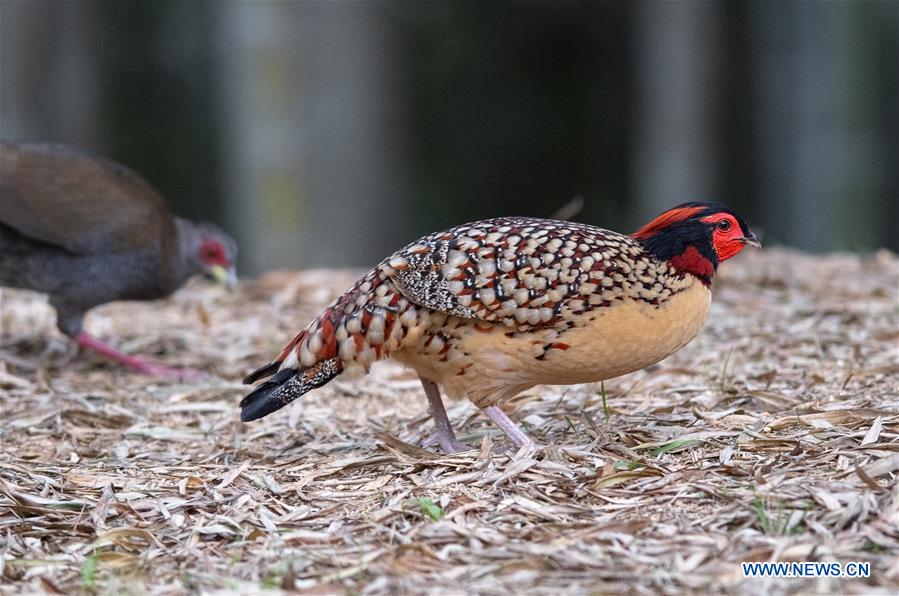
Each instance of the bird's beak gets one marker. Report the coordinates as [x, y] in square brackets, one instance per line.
[751, 240]
[226, 277]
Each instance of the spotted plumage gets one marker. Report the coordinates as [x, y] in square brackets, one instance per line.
[490, 308]
[528, 273]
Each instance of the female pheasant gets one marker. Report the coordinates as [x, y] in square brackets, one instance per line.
[86, 231]
[492, 308]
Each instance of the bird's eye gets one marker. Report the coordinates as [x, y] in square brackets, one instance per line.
[212, 251]
[723, 225]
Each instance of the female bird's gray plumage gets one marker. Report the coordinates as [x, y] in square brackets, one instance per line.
[85, 231]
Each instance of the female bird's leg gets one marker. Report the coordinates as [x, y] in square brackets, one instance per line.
[445, 435]
[134, 363]
[508, 426]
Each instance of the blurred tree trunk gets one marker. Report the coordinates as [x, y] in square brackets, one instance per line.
[50, 72]
[675, 156]
[819, 127]
[312, 180]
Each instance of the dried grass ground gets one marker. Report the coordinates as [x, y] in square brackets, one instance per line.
[772, 437]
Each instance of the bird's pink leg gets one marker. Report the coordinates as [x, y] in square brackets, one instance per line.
[508, 426]
[134, 363]
[445, 435]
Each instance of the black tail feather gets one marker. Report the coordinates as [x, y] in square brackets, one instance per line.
[285, 386]
[261, 402]
[266, 371]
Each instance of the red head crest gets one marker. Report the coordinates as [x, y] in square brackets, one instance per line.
[666, 219]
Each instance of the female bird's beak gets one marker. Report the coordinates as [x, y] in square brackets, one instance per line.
[751, 240]
[226, 277]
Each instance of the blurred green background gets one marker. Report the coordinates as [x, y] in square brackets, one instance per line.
[331, 133]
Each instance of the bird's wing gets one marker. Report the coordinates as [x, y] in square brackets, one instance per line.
[78, 201]
[522, 272]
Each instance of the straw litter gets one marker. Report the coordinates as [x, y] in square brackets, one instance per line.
[774, 436]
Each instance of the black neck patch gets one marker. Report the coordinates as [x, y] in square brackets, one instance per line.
[674, 240]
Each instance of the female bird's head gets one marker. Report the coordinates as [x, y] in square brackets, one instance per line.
[694, 237]
[209, 250]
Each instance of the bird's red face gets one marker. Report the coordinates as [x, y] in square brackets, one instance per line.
[727, 235]
[217, 261]
[213, 253]
[695, 237]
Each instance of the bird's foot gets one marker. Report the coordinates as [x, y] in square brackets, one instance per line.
[512, 449]
[530, 446]
[512, 430]
[137, 364]
[447, 444]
